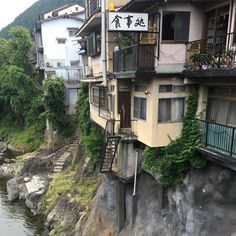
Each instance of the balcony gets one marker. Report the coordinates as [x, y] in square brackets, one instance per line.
[93, 6]
[212, 55]
[136, 58]
[219, 141]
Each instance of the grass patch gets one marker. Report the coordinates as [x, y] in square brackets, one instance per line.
[64, 185]
[26, 139]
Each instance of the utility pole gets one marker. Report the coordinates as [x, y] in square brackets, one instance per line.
[103, 43]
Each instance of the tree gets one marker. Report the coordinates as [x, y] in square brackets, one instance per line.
[18, 49]
[19, 92]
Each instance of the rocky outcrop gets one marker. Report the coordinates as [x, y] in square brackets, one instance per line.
[28, 187]
[204, 206]
[66, 213]
[101, 220]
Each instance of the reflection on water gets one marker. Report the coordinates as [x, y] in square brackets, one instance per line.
[16, 219]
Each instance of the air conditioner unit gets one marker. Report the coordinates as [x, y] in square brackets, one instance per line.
[59, 64]
[48, 64]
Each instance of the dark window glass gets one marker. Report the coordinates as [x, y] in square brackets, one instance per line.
[140, 87]
[165, 88]
[93, 44]
[175, 26]
[140, 108]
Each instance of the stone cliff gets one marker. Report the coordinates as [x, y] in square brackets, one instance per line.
[204, 206]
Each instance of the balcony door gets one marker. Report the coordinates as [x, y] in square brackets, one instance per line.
[217, 22]
[124, 107]
[221, 107]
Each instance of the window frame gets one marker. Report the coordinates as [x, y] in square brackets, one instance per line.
[61, 40]
[138, 113]
[93, 41]
[171, 104]
[171, 88]
[174, 40]
[99, 97]
[219, 96]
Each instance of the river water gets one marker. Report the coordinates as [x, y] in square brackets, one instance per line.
[16, 219]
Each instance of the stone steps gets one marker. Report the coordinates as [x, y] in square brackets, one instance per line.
[61, 162]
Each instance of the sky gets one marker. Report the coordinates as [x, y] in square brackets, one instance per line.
[10, 9]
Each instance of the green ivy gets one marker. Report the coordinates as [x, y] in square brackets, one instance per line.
[92, 135]
[54, 101]
[176, 159]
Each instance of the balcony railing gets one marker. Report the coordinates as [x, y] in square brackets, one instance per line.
[92, 7]
[126, 133]
[137, 57]
[218, 52]
[218, 138]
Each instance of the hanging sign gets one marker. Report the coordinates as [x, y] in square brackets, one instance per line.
[125, 21]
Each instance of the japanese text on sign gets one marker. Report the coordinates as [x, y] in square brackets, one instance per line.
[124, 21]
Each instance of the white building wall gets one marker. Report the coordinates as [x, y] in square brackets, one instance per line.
[58, 29]
[173, 55]
[59, 56]
[71, 9]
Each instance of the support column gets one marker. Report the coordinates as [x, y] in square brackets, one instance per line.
[120, 204]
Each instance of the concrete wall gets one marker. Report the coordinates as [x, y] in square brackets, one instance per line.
[173, 55]
[58, 28]
[149, 131]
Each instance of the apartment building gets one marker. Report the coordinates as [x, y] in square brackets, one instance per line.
[149, 74]
[57, 48]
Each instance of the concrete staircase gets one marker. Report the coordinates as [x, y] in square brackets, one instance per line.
[60, 164]
[69, 154]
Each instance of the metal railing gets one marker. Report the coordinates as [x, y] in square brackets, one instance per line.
[217, 137]
[92, 6]
[215, 52]
[113, 128]
[136, 57]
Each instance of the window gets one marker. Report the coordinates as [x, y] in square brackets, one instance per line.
[74, 63]
[103, 100]
[165, 88]
[171, 88]
[179, 88]
[93, 44]
[175, 26]
[221, 107]
[99, 97]
[140, 107]
[72, 32]
[61, 41]
[171, 110]
[140, 87]
[95, 95]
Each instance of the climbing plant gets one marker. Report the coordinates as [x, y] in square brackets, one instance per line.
[173, 161]
[92, 134]
[54, 102]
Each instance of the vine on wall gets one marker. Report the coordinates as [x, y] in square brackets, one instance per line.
[92, 135]
[54, 101]
[175, 160]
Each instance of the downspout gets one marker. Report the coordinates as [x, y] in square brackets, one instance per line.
[135, 173]
[103, 43]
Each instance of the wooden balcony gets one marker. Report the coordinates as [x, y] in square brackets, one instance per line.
[136, 58]
[212, 55]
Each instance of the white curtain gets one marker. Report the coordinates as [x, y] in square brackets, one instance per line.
[177, 109]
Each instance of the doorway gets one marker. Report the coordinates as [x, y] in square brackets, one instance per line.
[124, 108]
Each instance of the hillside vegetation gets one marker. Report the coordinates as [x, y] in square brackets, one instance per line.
[28, 18]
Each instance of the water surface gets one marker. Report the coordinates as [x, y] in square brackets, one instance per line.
[16, 219]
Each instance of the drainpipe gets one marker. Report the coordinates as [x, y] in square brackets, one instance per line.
[135, 173]
[103, 43]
